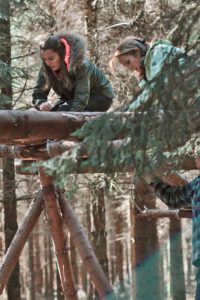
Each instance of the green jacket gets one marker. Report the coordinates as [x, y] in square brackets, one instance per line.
[160, 54]
[87, 79]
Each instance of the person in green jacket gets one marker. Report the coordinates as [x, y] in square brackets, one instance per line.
[79, 84]
[183, 196]
[147, 61]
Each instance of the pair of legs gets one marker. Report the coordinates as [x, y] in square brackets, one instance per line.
[97, 102]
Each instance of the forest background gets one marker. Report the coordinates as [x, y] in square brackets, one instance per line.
[143, 259]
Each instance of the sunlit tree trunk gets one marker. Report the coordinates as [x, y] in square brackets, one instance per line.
[37, 260]
[87, 285]
[119, 223]
[49, 267]
[111, 234]
[177, 280]
[31, 269]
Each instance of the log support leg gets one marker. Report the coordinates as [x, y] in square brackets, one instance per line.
[12, 255]
[59, 237]
[86, 252]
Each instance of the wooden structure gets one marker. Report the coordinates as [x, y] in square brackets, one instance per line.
[39, 136]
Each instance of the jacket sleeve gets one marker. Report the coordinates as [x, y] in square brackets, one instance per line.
[173, 196]
[82, 88]
[143, 97]
[39, 94]
[161, 55]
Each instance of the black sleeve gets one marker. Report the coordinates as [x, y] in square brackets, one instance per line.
[173, 196]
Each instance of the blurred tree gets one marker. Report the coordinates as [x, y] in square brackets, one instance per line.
[9, 196]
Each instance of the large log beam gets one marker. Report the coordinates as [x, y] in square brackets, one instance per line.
[34, 127]
[31, 127]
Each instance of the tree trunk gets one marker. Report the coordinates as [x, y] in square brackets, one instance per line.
[99, 232]
[31, 268]
[60, 294]
[145, 249]
[39, 276]
[49, 267]
[177, 280]
[10, 225]
[111, 234]
[9, 196]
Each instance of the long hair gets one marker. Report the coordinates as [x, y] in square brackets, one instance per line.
[53, 43]
[130, 45]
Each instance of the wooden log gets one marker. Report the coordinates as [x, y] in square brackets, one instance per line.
[12, 255]
[43, 151]
[33, 127]
[59, 236]
[52, 149]
[167, 213]
[30, 127]
[85, 250]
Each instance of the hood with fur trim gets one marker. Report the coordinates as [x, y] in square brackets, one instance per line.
[78, 48]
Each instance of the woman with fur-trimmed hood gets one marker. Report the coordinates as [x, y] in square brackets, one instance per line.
[80, 85]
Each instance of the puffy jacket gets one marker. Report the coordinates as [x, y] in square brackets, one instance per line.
[87, 78]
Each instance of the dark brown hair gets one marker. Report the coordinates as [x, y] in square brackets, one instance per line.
[53, 43]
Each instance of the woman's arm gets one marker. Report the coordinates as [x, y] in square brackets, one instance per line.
[39, 94]
[174, 196]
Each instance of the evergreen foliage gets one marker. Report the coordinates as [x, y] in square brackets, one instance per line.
[155, 127]
[24, 16]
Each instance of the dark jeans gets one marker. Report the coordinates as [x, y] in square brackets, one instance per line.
[97, 102]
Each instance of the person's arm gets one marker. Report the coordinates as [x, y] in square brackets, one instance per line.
[39, 94]
[161, 55]
[82, 88]
[143, 97]
[174, 196]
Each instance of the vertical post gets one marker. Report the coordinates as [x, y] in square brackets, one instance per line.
[12, 255]
[86, 252]
[58, 235]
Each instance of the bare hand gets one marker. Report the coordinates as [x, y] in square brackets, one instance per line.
[45, 106]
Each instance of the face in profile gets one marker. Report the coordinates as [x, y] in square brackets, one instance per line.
[51, 59]
[132, 63]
